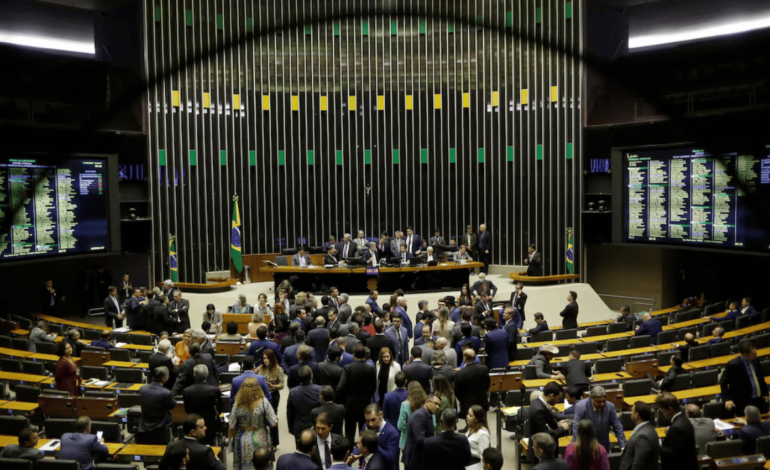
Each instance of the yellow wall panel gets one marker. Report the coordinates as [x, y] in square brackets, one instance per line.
[437, 101]
[295, 103]
[554, 94]
[175, 97]
[380, 103]
[206, 100]
[352, 102]
[524, 96]
[408, 102]
[495, 98]
[466, 100]
[236, 102]
[265, 103]
[324, 103]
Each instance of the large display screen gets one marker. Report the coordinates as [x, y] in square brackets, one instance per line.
[687, 196]
[50, 207]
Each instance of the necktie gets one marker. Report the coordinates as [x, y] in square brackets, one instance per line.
[363, 464]
[345, 252]
[515, 298]
[327, 455]
[404, 255]
[754, 382]
[409, 244]
[398, 350]
[484, 287]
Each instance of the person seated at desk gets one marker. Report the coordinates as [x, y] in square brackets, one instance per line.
[754, 429]
[301, 259]
[428, 256]
[650, 327]
[746, 307]
[25, 449]
[705, 431]
[718, 333]
[626, 317]
[105, 342]
[404, 255]
[668, 381]
[331, 257]
[732, 314]
[689, 342]
[542, 362]
[541, 325]
[40, 334]
[370, 255]
[232, 333]
[82, 446]
[73, 339]
[461, 255]
[241, 306]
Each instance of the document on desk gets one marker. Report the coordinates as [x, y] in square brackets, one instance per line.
[121, 330]
[50, 446]
[722, 426]
[120, 345]
[510, 411]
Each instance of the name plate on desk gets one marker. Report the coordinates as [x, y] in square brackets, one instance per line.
[745, 461]
[372, 270]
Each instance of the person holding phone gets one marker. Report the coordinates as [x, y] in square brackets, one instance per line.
[82, 446]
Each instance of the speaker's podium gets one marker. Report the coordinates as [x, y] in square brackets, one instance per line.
[97, 407]
[58, 406]
[505, 381]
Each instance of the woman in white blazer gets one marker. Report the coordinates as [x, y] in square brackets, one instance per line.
[387, 368]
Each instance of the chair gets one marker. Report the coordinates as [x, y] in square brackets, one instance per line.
[11, 425]
[56, 428]
[92, 334]
[122, 337]
[681, 317]
[587, 348]
[34, 368]
[765, 365]
[743, 322]
[112, 431]
[47, 348]
[282, 260]
[175, 339]
[700, 352]
[141, 339]
[513, 398]
[614, 328]
[542, 336]
[524, 353]
[123, 355]
[566, 334]
[705, 378]
[24, 323]
[717, 410]
[605, 366]
[763, 446]
[227, 377]
[144, 356]
[728, 325]
[720, 307]
[667, 337]
[564, 350]
[5, 342]
[55, 329]
[16, 464]
[707, 329]
[135, 376]
[530, 372]
[663, 319]
[127, 400]
[224, 404]
[643, 341]
[27, 393]
[597, 330]
[664, 358]
[683, 331]
[614, 459]
[720, 349]
[681, 382]
[89, 372]
[48, 464]
[8, 364]
[627, 421]
[693, 315]
[618, 344]
[710, 310]
[724, 449]
[641, 357]
[637, 388]
[221, 359]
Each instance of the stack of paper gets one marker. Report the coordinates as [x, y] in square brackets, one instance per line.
[511, 410]
[120, 345]
[722, 426]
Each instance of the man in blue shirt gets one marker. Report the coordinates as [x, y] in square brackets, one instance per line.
[105, 342]
[248, 373]
[257, 347]
[391, 406]
[496, 344]
[718, 332]
[372, 302]
[602, 414]
[82, 445]
[732, 314]
[475, 343]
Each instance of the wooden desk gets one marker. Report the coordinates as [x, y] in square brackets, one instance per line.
[667, 311]
[241, 319]
[596, 339]
[555, 279]
[557, 361]
[631, 352]
[21, 378]
[48, 357]
[747, 330]
[561, 342]
[76, 324]
[23, 333]
[505, 382]
[594, 323]
[149, 450]
[123, 364]
[132, 388]
[15, 352]
[681, 395]
[685, 324]
[204, 288]
[137, 347]
[19, 406]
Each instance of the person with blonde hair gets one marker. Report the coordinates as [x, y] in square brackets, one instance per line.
[183, 347]
[249, 420]
[444, 325]
[415, 399]
[257, 321]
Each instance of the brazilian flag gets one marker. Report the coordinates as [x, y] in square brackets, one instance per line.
[172, 258]
[235, 237]
[570, 253]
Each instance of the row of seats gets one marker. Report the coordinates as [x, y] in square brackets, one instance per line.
[50, 464]
[56, 428]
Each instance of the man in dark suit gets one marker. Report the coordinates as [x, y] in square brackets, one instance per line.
[202, 399]
[329, 371]
[302, 399]
[678, 450]
[113, 313]
[324, 439]
[387, 439]
[485, 248]
[449, 450]
[541, 325]
[418, 371]
[626, 317]
[186, 377]
[419, 428]
[318, 338]
[398, 336]
[742, 381]
[379, 340]
[81, 445]
[541, 418]
[304, 358]
[356, 389]
[576, 371]
[754, 429]
[195, 436]
[746, 307]
[345, 312]
[649, 326]
[352, 340]
[135, 310]
[643, 447]
[335, 411]
[534, 262]
[383, 248]
[157, 403]
[472, 384]
[160, 359]
[512, 331]
[483, 308]
[347, 248]
[413, 242]
[457, 334]
[301, 259]
[331, 257]
[519, 300]
[667, 382]
[50, 298]
[391, 406]
[179, 310]
[302, 459]
[257, 348]
[367, 448]
[570, 313]
[545, 448]
[689, 342]
[370, 255]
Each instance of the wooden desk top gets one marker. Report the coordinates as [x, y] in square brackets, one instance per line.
[7, 440]
[519, 363]
[132, 388]
[583, 357]
[556, 277]
[561, 342]
[22, 377]
[138, 347]
[362, 270]
[47, 357]
[583, 326]
[747, 330]
[666, 311]
[19, 406]
[685, 324]
[20, 332]
[596, 378]
[48, 381]
[594, 339]
[124, 364]
[141, 365]
[62, 321]
[15, 352]
[682, 395]
[150, 450]
[630, 352]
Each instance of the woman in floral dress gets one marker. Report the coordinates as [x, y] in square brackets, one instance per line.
[249, 419]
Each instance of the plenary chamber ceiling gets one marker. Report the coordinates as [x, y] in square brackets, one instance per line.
[327, 117]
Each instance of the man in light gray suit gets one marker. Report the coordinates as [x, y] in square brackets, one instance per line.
[436, 239]
[427, 351]
[643, 447]
[361, 242]
[704, 427]
[395, 244]
[451, 355]
[345, 311]
[40, 334]
[301, 259]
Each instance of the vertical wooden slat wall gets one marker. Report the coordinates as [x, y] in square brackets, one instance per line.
[448, 123]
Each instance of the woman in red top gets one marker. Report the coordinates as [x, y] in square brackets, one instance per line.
[586, 453]
[66, 376]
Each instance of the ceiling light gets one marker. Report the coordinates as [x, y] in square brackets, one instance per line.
[41, 42]
[730, 28]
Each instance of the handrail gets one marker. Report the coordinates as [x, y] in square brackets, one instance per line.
[624, 297]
